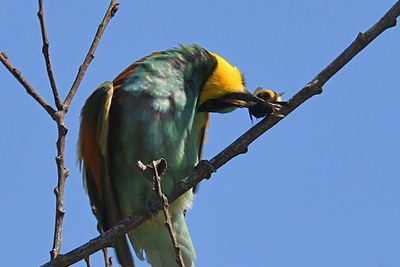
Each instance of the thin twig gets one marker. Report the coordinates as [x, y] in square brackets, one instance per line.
[153, 173]
[112, 8]
[46, 54]
[29, 89]
[168, 222]
[205, 168]
[62, 132]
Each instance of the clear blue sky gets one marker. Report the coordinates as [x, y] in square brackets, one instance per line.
[322, 188]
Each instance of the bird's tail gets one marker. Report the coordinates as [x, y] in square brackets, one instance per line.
[153, 238]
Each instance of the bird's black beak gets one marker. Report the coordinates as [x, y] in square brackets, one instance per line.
[258, 107]
[230, 101]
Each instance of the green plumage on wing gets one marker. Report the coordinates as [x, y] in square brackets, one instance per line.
[157, 107]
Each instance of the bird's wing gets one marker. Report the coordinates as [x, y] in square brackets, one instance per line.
[119, 80]
[153, 115]
[93, 153]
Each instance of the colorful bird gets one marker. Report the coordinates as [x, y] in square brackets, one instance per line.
[156, 108]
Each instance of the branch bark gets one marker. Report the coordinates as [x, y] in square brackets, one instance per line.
[205, 168]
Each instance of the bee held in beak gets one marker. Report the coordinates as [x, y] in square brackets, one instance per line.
[269, 103]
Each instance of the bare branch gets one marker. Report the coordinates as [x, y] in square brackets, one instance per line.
[205, 168]
[153, 173]
[29, 89]
[45, 51]
[58, 116]
[62, 132]
[113, 7]
[164, 200]
[59, 190]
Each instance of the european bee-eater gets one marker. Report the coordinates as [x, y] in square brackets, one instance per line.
[156, 108]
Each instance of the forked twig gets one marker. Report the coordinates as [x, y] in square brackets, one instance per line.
[153, 173]
[62, 108]
[62, 131]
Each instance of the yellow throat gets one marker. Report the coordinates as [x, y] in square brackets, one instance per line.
[224, 79]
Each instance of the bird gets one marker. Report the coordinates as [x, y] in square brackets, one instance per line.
[158, 107]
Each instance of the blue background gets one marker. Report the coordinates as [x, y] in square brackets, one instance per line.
[321, 188]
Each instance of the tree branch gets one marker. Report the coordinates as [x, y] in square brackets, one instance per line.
[62, 132]
[58, 116]
[45, 51]
[112, 8]
[29, 89]
[205, 168]
[59, 189]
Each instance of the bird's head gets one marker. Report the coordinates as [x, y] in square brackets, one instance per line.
[224, 89]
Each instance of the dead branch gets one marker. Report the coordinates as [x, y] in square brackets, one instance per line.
[62, 130]
[58, 116]
[153, 173]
